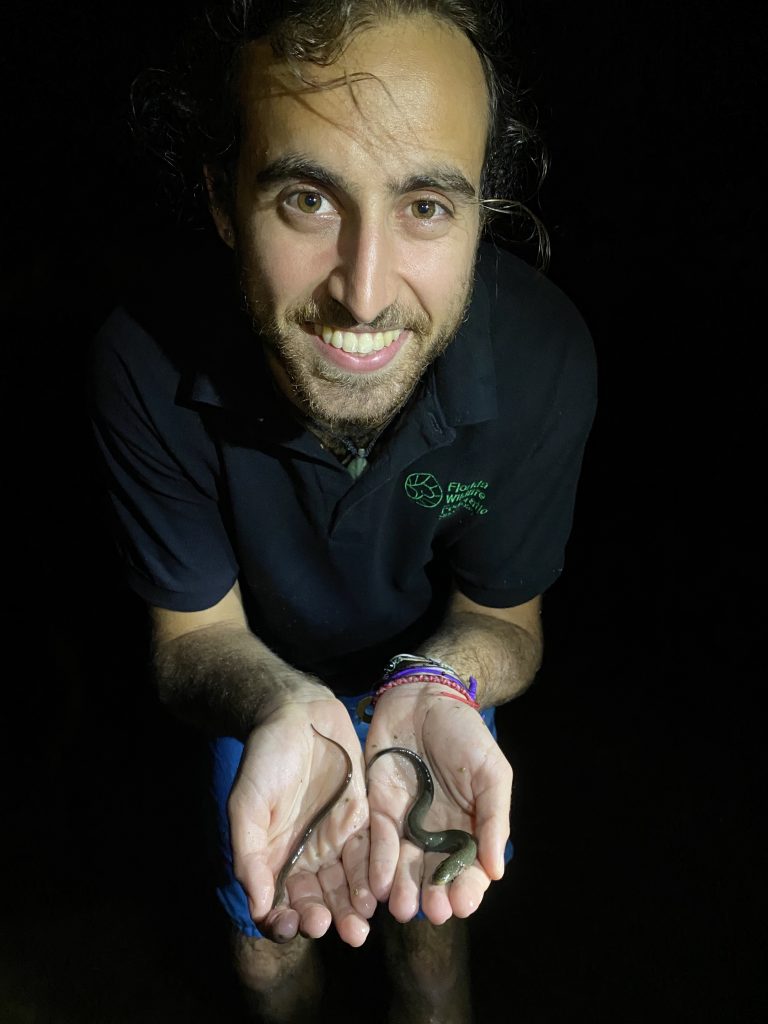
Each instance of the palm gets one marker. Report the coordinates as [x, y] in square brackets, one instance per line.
[291, 767]
[472, 792]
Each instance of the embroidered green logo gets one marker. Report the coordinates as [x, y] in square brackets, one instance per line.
[425, 490]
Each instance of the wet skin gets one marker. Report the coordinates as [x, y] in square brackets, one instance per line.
[461, 846]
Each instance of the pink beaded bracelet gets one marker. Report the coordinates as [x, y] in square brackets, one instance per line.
[461, 693]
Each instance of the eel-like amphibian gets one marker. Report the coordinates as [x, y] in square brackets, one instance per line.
[461, 846]
[314, 821]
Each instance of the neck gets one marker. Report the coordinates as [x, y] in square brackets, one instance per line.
[330, 436]
[361, 433]
[338, 436]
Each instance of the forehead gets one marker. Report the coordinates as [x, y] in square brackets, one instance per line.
[404, 93]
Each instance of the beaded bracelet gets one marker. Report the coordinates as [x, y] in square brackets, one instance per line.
[420, 671]
[417, 662]
[394, 664]
[442, 673]
[426, 677]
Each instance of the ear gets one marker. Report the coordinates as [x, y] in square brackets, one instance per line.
[215, 186]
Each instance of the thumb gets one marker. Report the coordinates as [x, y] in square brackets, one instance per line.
[253, 873]
[249, 860]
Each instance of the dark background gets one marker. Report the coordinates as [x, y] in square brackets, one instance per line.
[638, 892]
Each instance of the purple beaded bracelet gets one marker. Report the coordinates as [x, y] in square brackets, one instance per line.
[419, 671]
[436, 671]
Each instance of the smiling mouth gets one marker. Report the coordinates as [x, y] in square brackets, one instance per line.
[354, 343]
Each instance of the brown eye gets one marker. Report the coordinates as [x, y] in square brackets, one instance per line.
[424, 209]
[309, 202]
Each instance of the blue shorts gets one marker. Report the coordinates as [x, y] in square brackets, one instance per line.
[226, 760]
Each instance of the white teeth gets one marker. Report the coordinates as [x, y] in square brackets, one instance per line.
[359, 343]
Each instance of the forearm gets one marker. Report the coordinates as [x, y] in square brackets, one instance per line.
[224, 680]
[503, 656]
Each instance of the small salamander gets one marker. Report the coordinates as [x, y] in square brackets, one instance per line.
[461, 846]
[314, 821]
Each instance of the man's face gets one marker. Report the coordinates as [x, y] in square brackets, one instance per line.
[355, 216]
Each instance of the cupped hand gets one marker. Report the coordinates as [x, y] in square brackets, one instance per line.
[473, 787]
[289, 769]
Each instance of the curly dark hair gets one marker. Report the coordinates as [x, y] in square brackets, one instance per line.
[188, 115]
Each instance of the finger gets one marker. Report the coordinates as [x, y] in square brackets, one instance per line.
[466, 891]
[492, 820]
[258, 881]
[352, 928]
[461, 897]
[355, 857]
[406, 885]
[280, 925]
[435, 899]
[383, 856]
[248, 837]
[306, 898]
[491, 843]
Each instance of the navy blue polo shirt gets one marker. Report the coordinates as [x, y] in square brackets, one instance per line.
[212, 480]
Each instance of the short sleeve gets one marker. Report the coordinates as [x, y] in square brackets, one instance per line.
[517, 550]
[160, 468]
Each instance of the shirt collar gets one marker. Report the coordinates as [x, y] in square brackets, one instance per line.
[465, 373]
[248, 392]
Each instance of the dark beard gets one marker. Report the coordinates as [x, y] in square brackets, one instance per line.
[365, 423]
[345, 390]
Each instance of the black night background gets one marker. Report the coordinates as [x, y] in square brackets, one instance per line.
[637, 892]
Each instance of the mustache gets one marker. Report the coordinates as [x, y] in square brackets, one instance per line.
[333, 314]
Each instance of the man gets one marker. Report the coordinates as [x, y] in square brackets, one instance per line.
[378, 456]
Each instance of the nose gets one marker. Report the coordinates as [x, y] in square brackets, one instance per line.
[364, 279]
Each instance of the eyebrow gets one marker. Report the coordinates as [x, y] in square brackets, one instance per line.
[442, 177]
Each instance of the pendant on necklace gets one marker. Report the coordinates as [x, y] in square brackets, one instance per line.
[357, 465]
